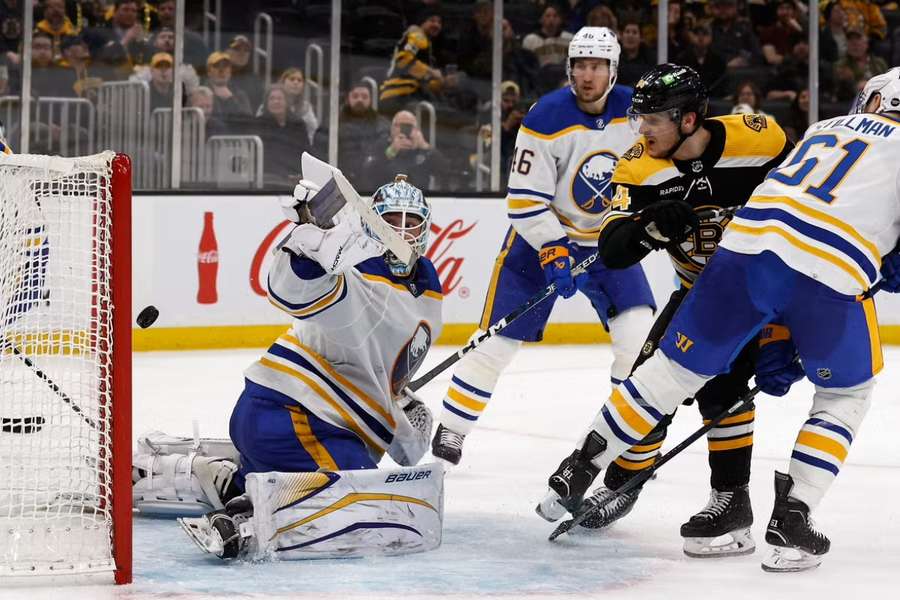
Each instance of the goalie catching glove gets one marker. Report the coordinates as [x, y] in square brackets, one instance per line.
[412, 435]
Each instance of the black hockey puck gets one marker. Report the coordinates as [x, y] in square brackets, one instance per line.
[147, 317]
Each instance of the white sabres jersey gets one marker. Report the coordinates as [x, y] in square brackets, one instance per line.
[356, 341]
[832, 209]
[560, 182]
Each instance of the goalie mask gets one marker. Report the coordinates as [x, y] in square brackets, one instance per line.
[886, 84]
[595, 42]
[404, 208]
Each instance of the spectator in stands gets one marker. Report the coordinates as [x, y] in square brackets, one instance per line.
[284, 138]
[294, 84]
[799, 116]
[161, 80]
[519, 65]
[47, 78]
[203, 98]
[865, 16]
[792, 75]
[706, 61]
[853, 71]
[510, 123]
[123, 28]
[602, 16]
[242, 75]
[475, 41]
[111, 62]
[77, 57]
[833, 37]
[195, 50]
[550, 42]
[680, 24]
[10, 26]
[56, 24]
[635, 59]
[778, 40]
[231, 104]
[407, 152]
[748, 99]
[733, 37]
[413, 75]
[510, 96]
[361, 129]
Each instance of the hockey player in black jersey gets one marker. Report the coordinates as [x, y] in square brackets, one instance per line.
[686, 164]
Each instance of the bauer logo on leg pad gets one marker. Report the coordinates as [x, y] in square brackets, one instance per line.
[401, 477]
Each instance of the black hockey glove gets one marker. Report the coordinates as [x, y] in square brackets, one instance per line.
[668, 221]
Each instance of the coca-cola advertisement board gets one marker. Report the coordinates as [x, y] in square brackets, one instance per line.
[203, 260]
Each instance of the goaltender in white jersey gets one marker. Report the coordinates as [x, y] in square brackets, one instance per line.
[329, 398]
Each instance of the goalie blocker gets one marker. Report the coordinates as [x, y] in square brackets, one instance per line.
[327, 514]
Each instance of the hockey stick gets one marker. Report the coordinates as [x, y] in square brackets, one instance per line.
[639, 479]
[498, 326]
[4, 343]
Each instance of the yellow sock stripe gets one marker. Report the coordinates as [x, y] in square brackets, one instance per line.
[823, 444]
[741, 442]
[352, 499]
[326, 366]
[647, 448]
[741, 418]
[309, 441]
[351, 423]
[469, 403]
[635, 466]
[797, 243]
[874, 336]
[629, 414]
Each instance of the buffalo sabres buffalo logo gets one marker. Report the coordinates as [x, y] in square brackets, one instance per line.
[592, 185]
[411, 357]
[755, 122]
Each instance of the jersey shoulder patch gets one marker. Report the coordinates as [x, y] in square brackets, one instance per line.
[637, 166]
[751, 135]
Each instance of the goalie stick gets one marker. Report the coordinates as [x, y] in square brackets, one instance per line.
[639, 479]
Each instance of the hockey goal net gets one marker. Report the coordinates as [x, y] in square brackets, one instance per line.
[65, 365]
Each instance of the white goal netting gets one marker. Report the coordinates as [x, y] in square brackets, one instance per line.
[55, 365]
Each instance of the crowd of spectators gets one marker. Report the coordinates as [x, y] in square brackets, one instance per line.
[752, 54]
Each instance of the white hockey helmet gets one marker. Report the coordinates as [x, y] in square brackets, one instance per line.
[595, 42]
[886, 84]
[402, 198]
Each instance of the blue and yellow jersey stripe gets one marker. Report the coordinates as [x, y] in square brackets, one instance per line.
[816, 234]
[305, 310]
[294, 369]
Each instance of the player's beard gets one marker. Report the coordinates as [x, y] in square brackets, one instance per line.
[590, 97]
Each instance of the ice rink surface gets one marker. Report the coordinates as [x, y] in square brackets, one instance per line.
[494, 545]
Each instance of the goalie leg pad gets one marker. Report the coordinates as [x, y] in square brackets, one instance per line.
[180, 485]
[346, 513]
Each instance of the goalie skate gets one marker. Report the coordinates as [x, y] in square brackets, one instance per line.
[223, 533]
[722, 528]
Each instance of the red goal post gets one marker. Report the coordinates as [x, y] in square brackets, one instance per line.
[65, 365]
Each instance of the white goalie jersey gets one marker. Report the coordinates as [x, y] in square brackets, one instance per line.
[560, 181]
[358, 337]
